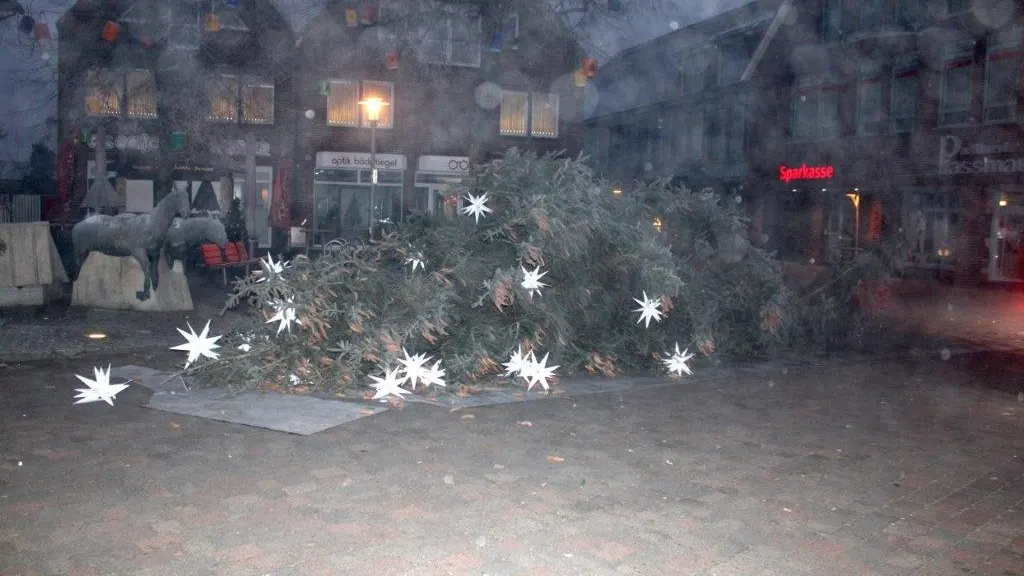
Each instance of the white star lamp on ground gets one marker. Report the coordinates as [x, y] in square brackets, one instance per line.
[99, 388]
[285, 315]
[389, 385]
[677, 362]
[531, 280]
[477, 206]
[648, 310]
[197, 344]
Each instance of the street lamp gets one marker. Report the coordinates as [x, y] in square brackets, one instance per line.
[373, 106]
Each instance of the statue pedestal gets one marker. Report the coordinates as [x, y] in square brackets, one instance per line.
[111, 282]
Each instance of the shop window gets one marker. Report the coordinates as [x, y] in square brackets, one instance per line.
[343, 103]
[869, 106]
[955, 103]
[908, 14]
[223, 98]
[544, 115]
[385, 91]
[931, 226]
[453, 38]
[831, 20]
[693, 68]
[258, 103]
[871, 14]
[1002, 66]
[103, 95]
[904, 93]
[140, 90]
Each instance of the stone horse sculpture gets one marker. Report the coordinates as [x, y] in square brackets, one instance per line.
[139, 236]
[184, 234]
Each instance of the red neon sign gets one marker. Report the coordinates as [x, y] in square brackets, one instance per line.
[805, 172]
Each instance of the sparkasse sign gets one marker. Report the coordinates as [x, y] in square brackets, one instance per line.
[805, 172]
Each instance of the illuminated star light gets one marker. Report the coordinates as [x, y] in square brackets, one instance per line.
[273, 268]
[433, 375]
[516, 363]
[412, 367]
[98, 389]
[531, 280]
[538, 372]
[648, 310]
[477, 206]
[197, 344]
[677, 362]
[285, 315]
[416, 260]
[389, 385]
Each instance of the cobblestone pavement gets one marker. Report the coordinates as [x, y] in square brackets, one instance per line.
[849, 467]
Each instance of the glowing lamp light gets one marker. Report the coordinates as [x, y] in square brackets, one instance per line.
[658, 224]
[617, 192]
[111, 31]
[1003, 202]
[373, 106]
[95, 335]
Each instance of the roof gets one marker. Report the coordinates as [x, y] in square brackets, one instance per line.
[647, 74]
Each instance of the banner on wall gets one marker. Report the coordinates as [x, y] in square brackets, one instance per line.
[280, 211]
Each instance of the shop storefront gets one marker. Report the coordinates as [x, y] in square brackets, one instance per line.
[342, 183]
[435, 179]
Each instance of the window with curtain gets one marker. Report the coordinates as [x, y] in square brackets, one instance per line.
[515, 110]
[103, 93]
[385, 91]
[955, 100]
[544, 115]
[258, 102]
[904, 93]
[343, 103]
[869, 105]
[1002, 66]
[223, 98]
[141, 94]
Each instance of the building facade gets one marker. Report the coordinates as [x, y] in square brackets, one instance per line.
[869, 119]
[185, 95]
[460, 84]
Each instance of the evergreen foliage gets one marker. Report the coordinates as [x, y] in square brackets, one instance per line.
[234, 222]
[361, 305]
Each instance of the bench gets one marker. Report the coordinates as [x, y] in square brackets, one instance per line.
[233, 255]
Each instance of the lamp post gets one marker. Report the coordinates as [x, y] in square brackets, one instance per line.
[373, 106]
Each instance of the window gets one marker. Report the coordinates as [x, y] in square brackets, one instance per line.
[103, 95]
[524, 113]
[957, 6]
[904, 93]
[258, 103]
[871, 14]
[955, 104]
[869, 106]
[831, 18]
[733, 59]
[816, 109]
[725, 131]
[714, 136]
[343, 103]
[693, 67]
[140, 87]
[453, 38]
[908, 14]
[1002, 64]
[385, 91]
[510, 31]
[689, 136]
[224, 98]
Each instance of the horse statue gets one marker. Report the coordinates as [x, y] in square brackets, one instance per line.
[184, 234]
[140, 236]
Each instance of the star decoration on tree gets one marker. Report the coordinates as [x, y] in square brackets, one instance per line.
[477, 206]
[416, 261]
[412, 367]
[537, 372]
[294, 379]
[272, 268]
[648, 310]
[197, 344]
[531, 280]
[433, 375]
[389, 385]
[677, 362]
[99, 388]
[516, 363]
[285, 315]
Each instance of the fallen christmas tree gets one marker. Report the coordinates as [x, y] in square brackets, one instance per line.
[545, 268]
